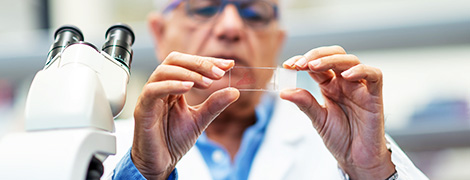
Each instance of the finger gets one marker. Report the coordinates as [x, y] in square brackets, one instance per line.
[170, 72]
[289, 64]
[156, 90]
[306, 103]
[372, 76]
[215, 104]
[322, 77]
[207, 66]
[336, 62]
[316, 53]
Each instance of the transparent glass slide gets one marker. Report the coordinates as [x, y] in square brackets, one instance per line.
[244, 78]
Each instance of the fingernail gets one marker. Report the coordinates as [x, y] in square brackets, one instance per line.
[227, 62]
[187, 84]
[315, 63]
[346, 73]
[218, 72]
[206, 81]
[301, 62]
[290, 62]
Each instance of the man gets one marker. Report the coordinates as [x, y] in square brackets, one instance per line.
[186, 117]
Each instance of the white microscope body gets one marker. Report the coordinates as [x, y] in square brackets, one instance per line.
[70, 109]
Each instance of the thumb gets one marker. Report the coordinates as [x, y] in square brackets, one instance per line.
[215, 104]
[306, 103]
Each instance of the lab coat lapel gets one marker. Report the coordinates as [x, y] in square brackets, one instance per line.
[276, 154]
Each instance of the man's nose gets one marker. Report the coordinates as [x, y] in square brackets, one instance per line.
[229, 25]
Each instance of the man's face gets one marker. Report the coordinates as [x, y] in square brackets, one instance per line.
[226, 36]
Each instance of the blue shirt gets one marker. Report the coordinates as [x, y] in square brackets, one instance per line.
[126, 170]
[216, 157]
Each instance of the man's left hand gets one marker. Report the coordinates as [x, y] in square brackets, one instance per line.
[351, 122]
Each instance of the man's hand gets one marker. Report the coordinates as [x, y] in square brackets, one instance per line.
[351, 122]
[166, 127]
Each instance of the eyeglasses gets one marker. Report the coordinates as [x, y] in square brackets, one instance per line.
[255, 13]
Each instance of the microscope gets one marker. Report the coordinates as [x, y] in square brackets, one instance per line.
[70, 109]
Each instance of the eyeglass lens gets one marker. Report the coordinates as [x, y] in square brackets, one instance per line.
[255, 13]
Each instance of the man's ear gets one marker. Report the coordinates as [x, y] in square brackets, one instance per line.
[157, 29]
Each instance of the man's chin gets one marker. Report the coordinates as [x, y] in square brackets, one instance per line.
[247, 99]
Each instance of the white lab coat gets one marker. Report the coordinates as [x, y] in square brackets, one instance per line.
[292, 149]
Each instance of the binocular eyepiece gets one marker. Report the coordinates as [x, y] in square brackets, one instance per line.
[119, 39]
[64, 36]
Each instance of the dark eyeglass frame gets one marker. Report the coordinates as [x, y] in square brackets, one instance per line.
[176, 3]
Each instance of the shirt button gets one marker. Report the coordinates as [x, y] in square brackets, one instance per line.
[217, 156]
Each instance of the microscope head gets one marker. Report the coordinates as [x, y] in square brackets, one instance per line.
[81, 86]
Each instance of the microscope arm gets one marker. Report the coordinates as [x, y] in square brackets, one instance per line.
[59, 154]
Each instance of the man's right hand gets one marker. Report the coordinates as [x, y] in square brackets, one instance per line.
[166, 127]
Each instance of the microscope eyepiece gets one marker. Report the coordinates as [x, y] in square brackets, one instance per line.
[63, 37]
[71, 29]
[119, 39]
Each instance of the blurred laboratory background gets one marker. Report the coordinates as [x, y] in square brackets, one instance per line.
[422, 47]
